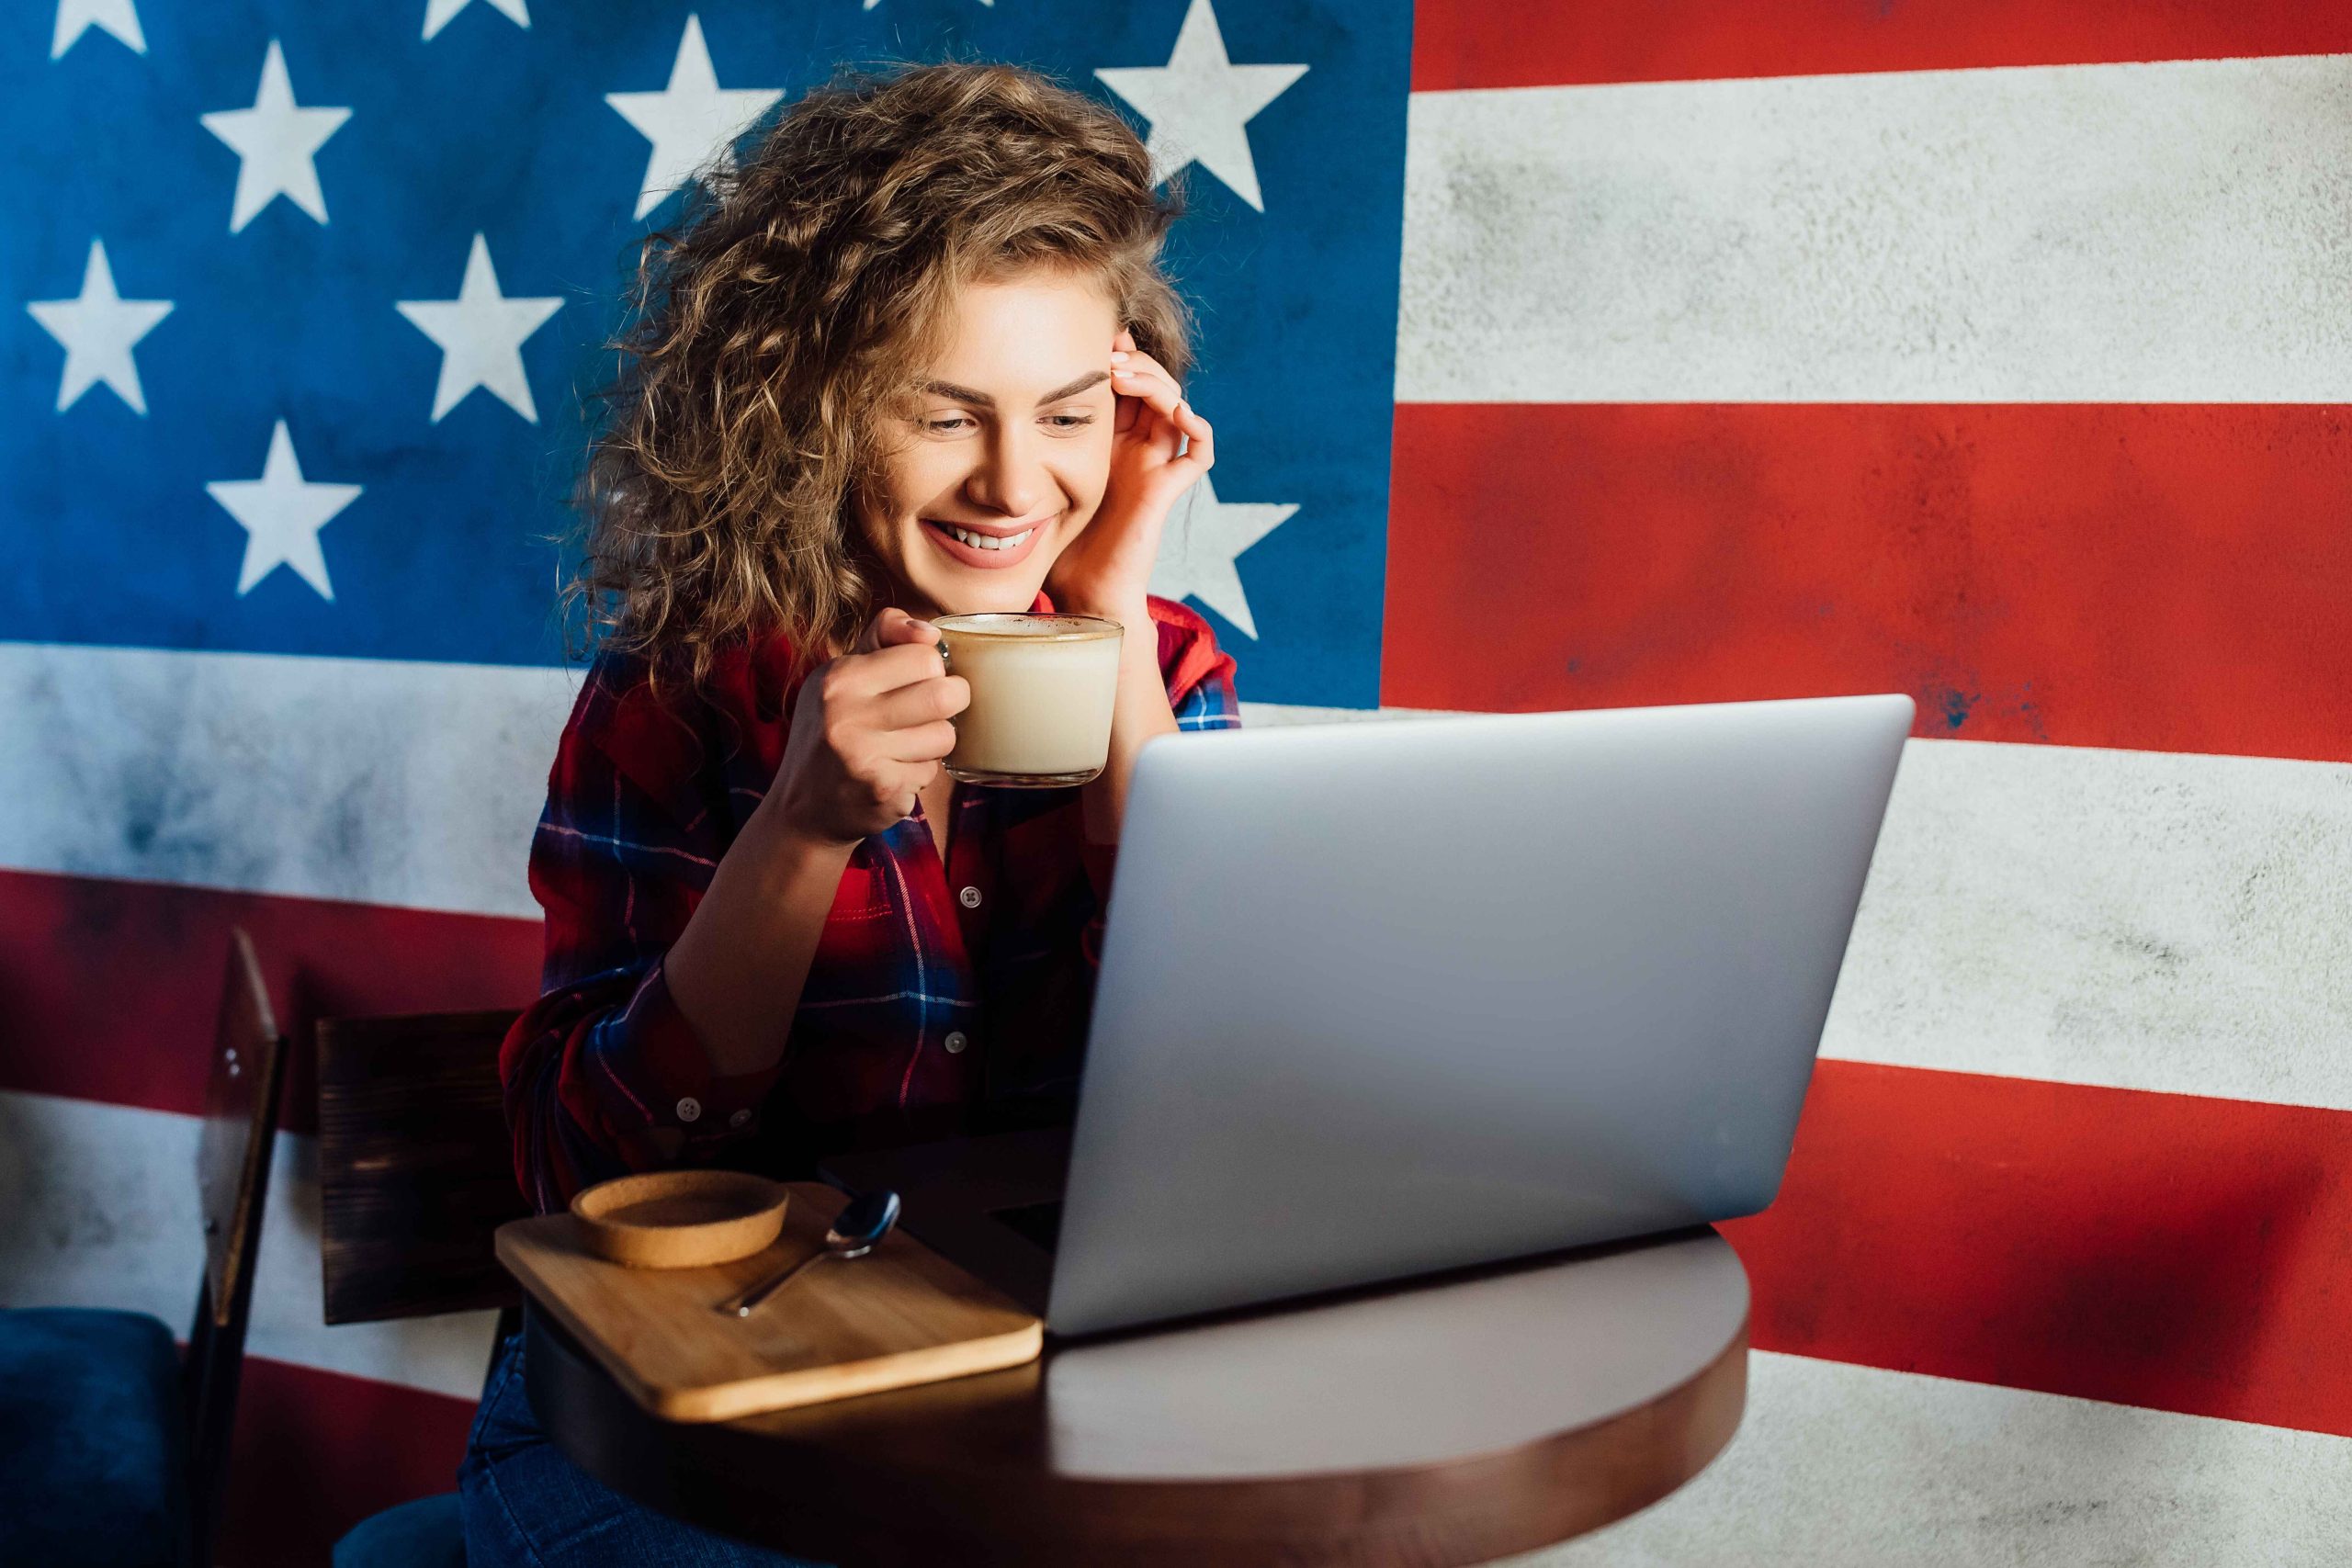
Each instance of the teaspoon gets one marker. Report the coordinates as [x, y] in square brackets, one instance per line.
[857, 1230]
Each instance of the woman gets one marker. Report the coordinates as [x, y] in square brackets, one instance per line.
[914, 358]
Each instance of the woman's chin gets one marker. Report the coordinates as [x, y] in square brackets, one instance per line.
[986, 599]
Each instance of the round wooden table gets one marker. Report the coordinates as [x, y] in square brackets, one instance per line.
[1441, 1423]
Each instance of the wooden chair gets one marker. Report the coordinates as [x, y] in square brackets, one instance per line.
[415, 1176]
[113, 1446]
[416, 1171]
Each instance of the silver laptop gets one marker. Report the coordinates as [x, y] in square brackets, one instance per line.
[1385, 998]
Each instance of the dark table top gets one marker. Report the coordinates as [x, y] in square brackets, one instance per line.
[1442, 1421]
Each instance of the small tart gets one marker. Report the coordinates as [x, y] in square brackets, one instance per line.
[680, 1219]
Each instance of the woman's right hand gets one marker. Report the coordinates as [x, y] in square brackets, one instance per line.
[868, 731]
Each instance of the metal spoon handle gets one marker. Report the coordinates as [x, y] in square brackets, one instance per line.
[741, 1306]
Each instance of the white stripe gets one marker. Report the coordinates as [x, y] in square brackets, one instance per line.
[1850, 1467]
[383, 781]
[98, 1208]
[2145, 232]
[2141, 920]
[1263, 715]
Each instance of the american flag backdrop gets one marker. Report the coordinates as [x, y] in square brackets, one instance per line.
[1561, 356]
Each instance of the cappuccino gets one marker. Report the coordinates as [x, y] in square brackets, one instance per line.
[1043, 688]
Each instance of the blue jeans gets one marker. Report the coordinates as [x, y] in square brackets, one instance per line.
[527, 1505]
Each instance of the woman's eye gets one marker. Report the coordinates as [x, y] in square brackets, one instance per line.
[958, 423]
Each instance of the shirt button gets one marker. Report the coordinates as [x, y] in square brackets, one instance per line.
[970, 897]
[689, 1109]
[955, 1043]
[740, 1118]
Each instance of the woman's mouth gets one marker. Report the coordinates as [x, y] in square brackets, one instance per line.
[978, 548]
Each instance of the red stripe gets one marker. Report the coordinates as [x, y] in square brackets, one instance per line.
[2165, 577]
[316, 1453]
[111, 986]
[2167, 1251]
[1531, 43]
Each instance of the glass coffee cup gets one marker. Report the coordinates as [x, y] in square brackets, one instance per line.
[1043, 687]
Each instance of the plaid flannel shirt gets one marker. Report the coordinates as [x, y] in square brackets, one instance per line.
[934, 985]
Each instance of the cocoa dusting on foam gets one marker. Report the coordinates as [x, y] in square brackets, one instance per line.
[1023, 626]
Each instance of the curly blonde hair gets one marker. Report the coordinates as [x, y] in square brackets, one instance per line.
[797, 299]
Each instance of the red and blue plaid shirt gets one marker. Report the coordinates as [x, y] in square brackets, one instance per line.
[934, 986]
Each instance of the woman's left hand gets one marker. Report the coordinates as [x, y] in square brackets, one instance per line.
[1159, 446]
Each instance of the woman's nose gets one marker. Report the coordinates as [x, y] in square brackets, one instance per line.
[1011, 478]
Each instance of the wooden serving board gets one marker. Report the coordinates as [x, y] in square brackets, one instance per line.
[902, 1314]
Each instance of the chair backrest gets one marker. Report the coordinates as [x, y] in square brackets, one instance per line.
[416, 1166]
[244, 1079]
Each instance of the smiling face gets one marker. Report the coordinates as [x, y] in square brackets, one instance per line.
[1001, 455]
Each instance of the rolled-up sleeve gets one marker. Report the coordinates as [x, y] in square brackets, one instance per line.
[602, 1074]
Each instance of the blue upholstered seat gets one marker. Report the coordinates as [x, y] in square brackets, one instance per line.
[93, 1460]
[423, 1534]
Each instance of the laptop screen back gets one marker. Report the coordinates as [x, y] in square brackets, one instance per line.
[1387, 998]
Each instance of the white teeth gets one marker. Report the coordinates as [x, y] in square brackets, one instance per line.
[987, 541]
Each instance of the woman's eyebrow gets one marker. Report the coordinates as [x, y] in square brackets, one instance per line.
[956, 394]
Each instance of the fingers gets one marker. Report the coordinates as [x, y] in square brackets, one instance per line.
[1167, 441]
[892, 625]
[1199, 436]
[910, 628]
[1123, 348]
[1143, 383]
[895, 650]
[922, 743]
[922, 703]
[1135, 375]
[872, 736]
[887, 668]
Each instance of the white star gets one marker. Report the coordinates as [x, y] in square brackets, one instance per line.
[480, 334]
[1211, 534]
[690, 119]
[282, 515]
[274, 142]
[76, 17]
[439, 13]
[1200, 103]
[98, 329]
